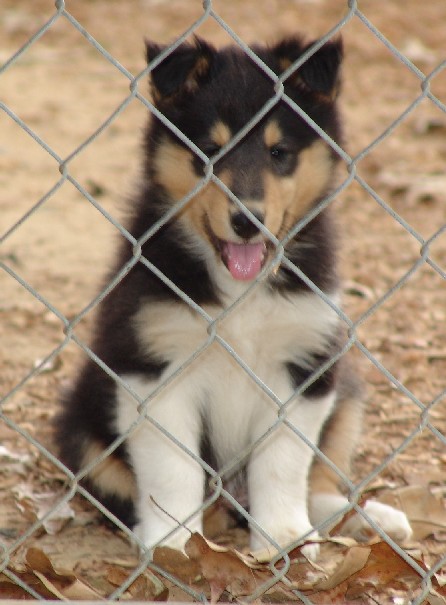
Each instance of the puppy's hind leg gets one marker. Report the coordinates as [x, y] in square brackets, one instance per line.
[338, 441]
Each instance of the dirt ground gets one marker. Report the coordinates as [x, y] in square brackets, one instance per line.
[64, 90]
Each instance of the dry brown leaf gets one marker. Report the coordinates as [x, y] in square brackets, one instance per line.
[354, 560]
[304, 576]
[385, 568]
[176, 563]
[35, 506]
[437, 595]
[10, 590]
[146, 587]
[425, 511]
[239, 574]
[376, 567]
[333, 586]
[439, 536]
[366, 569]
[13, 462]
[61, 584]
[223, 569]
[434, 598]
[335, 596]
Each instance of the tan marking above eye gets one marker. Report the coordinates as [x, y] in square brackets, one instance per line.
[173, 169]
[273, 134]
[284, 63]
[220, 134]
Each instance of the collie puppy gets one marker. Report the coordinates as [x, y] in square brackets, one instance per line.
[222, 334]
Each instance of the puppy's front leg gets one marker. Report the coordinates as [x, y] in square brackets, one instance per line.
[277, 484]
[278, 477]
[170, 486]
[170, 481]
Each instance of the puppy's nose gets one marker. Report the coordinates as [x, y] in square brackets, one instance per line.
[243, 226]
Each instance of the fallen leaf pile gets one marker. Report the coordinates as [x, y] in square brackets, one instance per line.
[345, 572]
[40, 575]
[361, 574]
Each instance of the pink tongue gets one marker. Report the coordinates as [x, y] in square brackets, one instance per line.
[244, 260]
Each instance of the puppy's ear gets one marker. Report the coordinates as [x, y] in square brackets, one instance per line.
[320, 73]
[181, 72]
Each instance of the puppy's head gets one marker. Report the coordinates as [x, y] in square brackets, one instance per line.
[278, 170]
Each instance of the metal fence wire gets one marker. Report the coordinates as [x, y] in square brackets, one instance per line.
[137, 87]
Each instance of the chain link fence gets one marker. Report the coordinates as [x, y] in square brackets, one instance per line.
[426, 410]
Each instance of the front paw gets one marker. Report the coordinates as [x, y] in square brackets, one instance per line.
[177, 540]
[285, 536]
[392, 521]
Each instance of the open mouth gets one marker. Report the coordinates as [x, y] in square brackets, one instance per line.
[243, 261]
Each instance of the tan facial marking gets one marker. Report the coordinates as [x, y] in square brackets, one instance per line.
[220, 134]
[273, 134]
[284, 63]
[314, 173]
[174, 170]
[111, 476]
[175, 173]
[213, 204]
[289, 198]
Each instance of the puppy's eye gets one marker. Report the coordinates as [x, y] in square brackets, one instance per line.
[278, 152]
[283, 159]
[211, 149]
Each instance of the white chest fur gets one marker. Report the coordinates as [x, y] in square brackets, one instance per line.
[263, 325]
[232, 364]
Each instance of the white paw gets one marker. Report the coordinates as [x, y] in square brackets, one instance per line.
[177, 540]
[284, 536]
[392, 521]
[311, 551]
